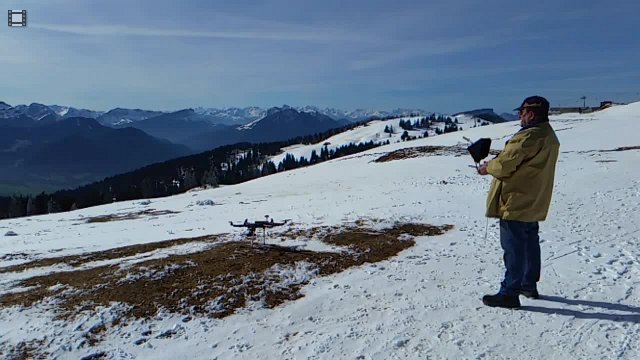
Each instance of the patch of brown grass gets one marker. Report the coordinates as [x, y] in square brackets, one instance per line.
[215, 282]
[626, 148]
[115, 253]
[592, 152]
[428, 150]
[128, 216]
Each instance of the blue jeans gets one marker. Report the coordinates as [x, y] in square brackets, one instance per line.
[521, 245]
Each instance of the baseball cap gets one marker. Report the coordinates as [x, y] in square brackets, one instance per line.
[534, 102]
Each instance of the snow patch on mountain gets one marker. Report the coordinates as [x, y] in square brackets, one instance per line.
[249, 125]
[63, 111]
[123, 122]
[231, 115]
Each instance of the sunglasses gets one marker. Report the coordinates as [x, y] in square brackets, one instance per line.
[523, 110]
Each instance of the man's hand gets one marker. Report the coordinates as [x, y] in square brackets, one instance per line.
[482, 170]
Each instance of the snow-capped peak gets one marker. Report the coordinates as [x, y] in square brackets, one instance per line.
[63, 111]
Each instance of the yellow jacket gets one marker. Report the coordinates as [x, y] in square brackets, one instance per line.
[523, 175]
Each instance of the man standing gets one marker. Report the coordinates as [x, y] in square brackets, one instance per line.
[520, 196]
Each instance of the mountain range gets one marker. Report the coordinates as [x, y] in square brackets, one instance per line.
[45, 147]
[279, 123]
[120, 117]
[62, 146]
[201, 128]
[76, 150]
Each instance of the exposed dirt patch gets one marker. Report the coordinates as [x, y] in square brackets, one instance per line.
[594, 152]
[625, 148]
[14, 256]
[218, 281]
[94, 335]
[129, 216]
[116, 253]
[420, 151]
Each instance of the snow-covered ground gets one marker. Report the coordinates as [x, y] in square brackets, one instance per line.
[423, 303]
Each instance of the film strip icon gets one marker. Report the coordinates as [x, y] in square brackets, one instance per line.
[18, 18]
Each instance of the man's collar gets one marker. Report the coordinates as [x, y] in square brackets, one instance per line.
[533, 124]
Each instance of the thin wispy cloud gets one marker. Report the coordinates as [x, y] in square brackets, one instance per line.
[601, 76]
[159, 54]
[425, 48]
[610, 66]
[125, 30]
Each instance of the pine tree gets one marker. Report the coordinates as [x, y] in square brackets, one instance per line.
[324, 153]
[31, 209]
[189, 179]
[209, 178]
[268, 168]
[52, 206]
[15, 207]
[40, 203]
[107, 196]
[405, 136]
[147, 188]
[314, 157]
[450, 128]
[405, 124]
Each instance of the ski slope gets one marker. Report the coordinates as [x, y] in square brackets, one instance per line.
[423, 303]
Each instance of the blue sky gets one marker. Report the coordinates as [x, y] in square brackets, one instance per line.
[444, 56]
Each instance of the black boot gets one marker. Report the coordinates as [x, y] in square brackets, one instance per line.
[499, 300]
[531, 294]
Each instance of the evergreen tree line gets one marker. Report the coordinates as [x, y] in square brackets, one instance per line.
[227, 165]
[451, 127]
[390, 117]
[289, 162]
[424, 123]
